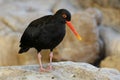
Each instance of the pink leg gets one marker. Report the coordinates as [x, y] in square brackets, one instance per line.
[40, 62]
[50, 64]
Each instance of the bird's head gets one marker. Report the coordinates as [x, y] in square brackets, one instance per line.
[66, 16]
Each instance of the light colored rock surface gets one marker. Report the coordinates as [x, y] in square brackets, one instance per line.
[109, 8]
[102, 3]
[111, 18]
[8, 56]
[70, 5]
[9, 47]
[111, 62]
[96, 14]
[112, 40]
[62, 71]
[17, 15]
[85, 50]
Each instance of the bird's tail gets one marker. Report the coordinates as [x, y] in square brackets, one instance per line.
[23, 49]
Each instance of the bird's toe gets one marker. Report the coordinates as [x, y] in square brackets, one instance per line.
[42, 70]
[49, 68]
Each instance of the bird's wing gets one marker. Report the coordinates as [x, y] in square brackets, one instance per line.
[34, 30]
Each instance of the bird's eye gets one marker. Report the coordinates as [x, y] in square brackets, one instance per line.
[64, 15]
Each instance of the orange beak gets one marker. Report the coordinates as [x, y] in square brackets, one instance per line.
[73, 30]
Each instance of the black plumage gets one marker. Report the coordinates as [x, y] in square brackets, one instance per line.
[46, 33]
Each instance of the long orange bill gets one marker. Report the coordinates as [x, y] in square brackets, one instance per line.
[73, 30]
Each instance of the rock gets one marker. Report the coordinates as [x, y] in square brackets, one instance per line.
[111, 62]
[62, 71]
[9, 51]
[111, 18]
[111, 38]
[69, 5]
[8, 56]
[97, 14]
[101, 3]
[27, 5]
[108, 3]
[86, 50]
[110, 10]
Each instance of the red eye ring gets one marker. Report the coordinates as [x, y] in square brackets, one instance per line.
[64, 15]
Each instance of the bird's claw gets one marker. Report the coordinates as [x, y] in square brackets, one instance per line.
[49, 68]
[42, 70]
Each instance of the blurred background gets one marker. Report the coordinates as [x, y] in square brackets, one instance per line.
[97, 21]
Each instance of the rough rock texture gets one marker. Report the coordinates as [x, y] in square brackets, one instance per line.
[111, 62]
[17, 14]
[62, 71]
[109, 8]
[111, 18]
[111, 39]
[70, 5]
[5, 50]
[103, 3]
[109, 30]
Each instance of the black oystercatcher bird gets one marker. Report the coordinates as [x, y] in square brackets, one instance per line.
[46, 33]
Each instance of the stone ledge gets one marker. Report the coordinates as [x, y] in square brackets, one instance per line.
[62, 71]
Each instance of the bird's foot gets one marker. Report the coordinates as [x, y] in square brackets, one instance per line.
[49, 68]
[42, 70]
